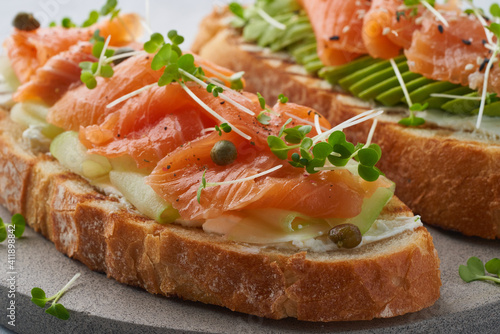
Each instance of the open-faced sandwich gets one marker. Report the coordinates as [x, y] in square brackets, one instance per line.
[155, 167]
[432, 67]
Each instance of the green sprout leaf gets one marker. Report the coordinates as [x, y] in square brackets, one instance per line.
[92, 19]
[155, 42]
[263, 118]
[3, 231]
[109, 7]
[203, 185]
[494, 28]
[296, 134]
[237, 10]
[96, 37]
[412, 121]
[58, 311]
[170, 74]
[284, 127]
[107, 71]
[175, 38]
[282, 98]
[278, 147]
[475, 270]
[38, 297]
[493, 266]
[322, 150]
[223, 127]
[67, 23]
[495, 10]
[262, 101]
[236, 80]
[19, 225]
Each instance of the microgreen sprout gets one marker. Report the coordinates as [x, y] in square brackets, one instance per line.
[223, 127]
[282, 98]
[428, 4]
[57, 310]
[17, 227]
[475, 270]
[109, 8]
[313, 153]
[204, 184]
[214, 89]
[262, 117]
[91, 70]
[413, 120]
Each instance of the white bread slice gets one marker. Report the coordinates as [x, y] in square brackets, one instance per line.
[451, 179]
[383, 279]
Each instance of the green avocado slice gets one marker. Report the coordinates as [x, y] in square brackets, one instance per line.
[424, 92]
[376, 78]
[386, 85]
[437, 102]
[394, 95]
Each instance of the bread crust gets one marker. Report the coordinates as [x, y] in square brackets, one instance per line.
[384, 279]
[452, 181]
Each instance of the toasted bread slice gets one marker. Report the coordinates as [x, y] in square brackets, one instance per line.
[451, 179]
[382, 279]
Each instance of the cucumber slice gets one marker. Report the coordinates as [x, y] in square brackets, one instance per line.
[386, 85]
[293, 35]
[353, 78]
[68, 150]
[8, 73]
[313, 66]
[394, 95]
[134, 188]
[422, 93]
[34, 114]
[437, 102]
[334, 73]
[376, 78]
[371, 209]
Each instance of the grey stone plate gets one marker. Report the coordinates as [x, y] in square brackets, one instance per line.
[101, 305]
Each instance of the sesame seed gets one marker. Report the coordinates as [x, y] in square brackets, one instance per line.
[440, 28]
[466, 42]
[469, 67]
[334, 38]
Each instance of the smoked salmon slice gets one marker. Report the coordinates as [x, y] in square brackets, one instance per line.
[84, 107]
[148, 127]
[52, 80]
[337, 25]
[29, 50]
[322, 195]
[388, 27]
[457, 54]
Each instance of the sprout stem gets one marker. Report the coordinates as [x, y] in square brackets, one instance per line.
[101, 57]
[485, 87]
[364, 116]
[66, 287]
[435, 12]
[124, 55]
[222, 95]
[129, 95]
[270, 20]
[316, 124]
[457, 97]
[372, 131]
[213, 184]
[212, 112]
[401, 82]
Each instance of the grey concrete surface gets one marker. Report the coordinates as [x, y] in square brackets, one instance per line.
[101, 305]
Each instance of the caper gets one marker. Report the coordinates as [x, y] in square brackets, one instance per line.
[26, 22]
[122, 51]
[223, 153]
[345, 235]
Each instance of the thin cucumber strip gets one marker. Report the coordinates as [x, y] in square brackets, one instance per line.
[424, 92]
[394, 95]
[334, 73]
[437, 102]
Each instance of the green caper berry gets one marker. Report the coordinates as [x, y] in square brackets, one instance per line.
[26, 22]
[122, 51]
[223, 153]
[345, 235]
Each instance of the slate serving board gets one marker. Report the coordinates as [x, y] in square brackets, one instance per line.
[101, 305]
